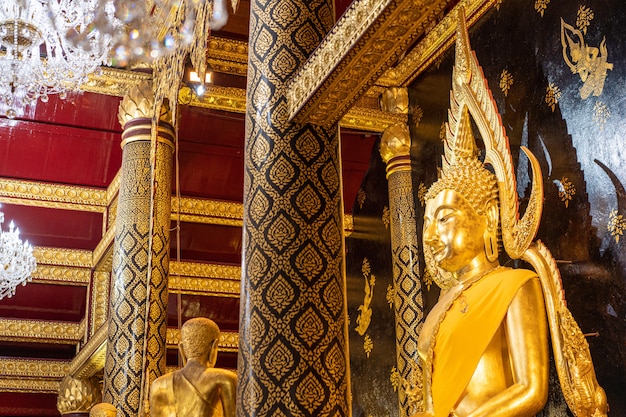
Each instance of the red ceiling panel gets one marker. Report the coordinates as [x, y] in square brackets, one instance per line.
[37, 350]
[60, 154]
[27, 404]
[208, 243]
[46, 302]
[55, 228]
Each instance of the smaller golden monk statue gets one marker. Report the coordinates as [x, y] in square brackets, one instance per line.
[484, 345]
[198, 388]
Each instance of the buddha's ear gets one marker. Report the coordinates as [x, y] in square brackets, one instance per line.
[493, 216]
[181, 350]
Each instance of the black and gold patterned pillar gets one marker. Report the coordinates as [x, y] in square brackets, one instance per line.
[394, 148]
[293, 358]
[138, 312]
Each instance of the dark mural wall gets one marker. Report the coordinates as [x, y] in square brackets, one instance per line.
[557, 70]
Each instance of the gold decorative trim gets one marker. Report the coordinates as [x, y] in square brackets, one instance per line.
[370, 120]
[206, 286]
[113, 82]
[227, 49]
[90, 359]
[201, 270]
[209, 208]
[99, 300]
[66, 257]
[436, 42]
[33, 193]
[218, 98]
[29, 385]
[229, 341]
[361, 45]
[62, 275]
[16, 330]
[29, 368]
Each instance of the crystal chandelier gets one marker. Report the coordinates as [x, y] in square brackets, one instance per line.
[17, 262]
[47, 47]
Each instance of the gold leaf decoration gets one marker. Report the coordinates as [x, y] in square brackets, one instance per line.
[553, 94]
[585, 15]
[360, 198]
[541, 6]
[416, 115]
[391, 295]
[395, 379]
[421, 193]
[368, 345]
[442, 132]
[566, 190]
[385, 217]
[616, 225]
[601, 114]
[506, 81]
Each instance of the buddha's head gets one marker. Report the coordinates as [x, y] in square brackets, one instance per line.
[461, 217]
[199, 340]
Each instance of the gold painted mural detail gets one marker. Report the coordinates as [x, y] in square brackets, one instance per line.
[616, 225]
[365, 312]
[590, 63]
[566, 188]
[368, 345]
[601, 114]
[390, 295]
[553, 94]
[541, 6]
[506, 81]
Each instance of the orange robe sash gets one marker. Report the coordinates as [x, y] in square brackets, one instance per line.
[466, 329]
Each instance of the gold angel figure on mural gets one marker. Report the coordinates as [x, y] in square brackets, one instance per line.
[588, 62]
[365, 315]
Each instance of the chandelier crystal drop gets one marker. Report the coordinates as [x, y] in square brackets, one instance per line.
[48, 47]
[17, 262]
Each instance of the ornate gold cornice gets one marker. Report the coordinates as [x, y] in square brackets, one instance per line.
[19, 368]
[217, 98]
[196, 269]
[62, 275]
[229, 341]
[208, 211]
[371, 120]
[362, 44]
[227, 50]
[32, 193]
[434, 44]
[67, 257]
[16, 330]
[114, 82]
[38, 385]
[205, 286]
[90, 359]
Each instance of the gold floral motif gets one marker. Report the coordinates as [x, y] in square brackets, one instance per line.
[365, 316]
[553, 94]
[360, 198]
[506, 81]
[498, 4]
[541, 6]
[601, 114]
[385, 217]
[616, 225]
[421, 193]
[391, 295]
[368, 345]
[566, 190]
[585, 15]
[416, 115]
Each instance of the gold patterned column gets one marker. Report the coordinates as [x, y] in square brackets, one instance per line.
[137, 323]
[293, 358]
[395, 150]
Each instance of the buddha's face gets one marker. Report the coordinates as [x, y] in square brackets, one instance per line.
[454, 232]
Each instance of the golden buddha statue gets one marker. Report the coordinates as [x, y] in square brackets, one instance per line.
[103, 410]
[484, 345]
[198, 388]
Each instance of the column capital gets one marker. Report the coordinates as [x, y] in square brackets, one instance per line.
[77, 395]
[395, 100]
[395, 148]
